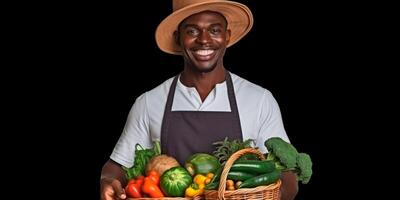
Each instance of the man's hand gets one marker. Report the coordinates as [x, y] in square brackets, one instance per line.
[111, 189]
[289, 187]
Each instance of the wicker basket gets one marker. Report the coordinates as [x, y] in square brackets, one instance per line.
[269, 192]
[163, 198]
[169, 198]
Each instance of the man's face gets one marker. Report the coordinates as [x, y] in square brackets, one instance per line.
[203, 38]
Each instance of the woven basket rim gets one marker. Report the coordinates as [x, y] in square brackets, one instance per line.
[166, 198]
[221, 193]
[261, 188]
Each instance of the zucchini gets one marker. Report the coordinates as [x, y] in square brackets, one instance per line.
[264, 179]
[254, 166]
[240, 176]
[212, 186]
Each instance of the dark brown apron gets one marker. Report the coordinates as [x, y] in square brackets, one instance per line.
[184, 133]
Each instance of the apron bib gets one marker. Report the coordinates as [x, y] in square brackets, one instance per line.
[184, 133]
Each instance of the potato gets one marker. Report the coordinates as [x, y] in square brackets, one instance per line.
[161, 163]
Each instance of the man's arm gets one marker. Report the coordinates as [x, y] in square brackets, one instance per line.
[289, 187]
[112, 181]
[111, 169]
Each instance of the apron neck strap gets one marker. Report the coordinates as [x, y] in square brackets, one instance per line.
[231, 93]
[229, 85]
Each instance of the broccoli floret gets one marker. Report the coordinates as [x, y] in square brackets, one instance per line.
[287, 158]
[304, 165]
[281, 151]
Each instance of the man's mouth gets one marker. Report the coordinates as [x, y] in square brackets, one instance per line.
[204, 55]
[204, 52]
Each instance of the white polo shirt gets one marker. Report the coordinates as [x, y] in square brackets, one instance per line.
[259, 113]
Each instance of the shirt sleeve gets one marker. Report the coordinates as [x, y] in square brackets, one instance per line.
[271, 124]
[136, 130]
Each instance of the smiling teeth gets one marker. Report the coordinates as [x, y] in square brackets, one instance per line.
[204, 52]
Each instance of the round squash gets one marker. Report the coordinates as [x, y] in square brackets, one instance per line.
[175, 181]
[202, 163]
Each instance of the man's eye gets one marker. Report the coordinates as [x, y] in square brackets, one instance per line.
[192, 32]
[215, 30]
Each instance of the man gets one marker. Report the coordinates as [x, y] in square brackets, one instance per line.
[203, 104]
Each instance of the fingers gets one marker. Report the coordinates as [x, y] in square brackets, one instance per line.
[119, 191]
[112, 190]
[107, 193]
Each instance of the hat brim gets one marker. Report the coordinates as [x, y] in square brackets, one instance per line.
[238, 16]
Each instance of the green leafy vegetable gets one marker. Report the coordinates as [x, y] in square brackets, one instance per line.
[142, 157]
[225, 148]
[287, 158]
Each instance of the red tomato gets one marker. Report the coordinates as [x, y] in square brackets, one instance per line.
[133, 187]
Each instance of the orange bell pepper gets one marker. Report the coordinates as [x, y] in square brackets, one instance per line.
[153, 175]
[151, 188]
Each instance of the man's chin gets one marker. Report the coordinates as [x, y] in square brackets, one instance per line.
[206, 69]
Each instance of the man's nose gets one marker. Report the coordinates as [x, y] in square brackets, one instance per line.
[204, 37]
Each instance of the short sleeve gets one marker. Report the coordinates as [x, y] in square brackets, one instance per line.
[136, 130]
[271, 124]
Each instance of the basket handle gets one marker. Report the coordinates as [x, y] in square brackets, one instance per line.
[228, 165]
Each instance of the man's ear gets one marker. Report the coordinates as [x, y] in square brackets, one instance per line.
[176, 38]
[228, 36]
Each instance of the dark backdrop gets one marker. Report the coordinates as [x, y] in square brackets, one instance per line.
[99, 57]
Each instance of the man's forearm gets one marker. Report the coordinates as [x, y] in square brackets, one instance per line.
[289, 187]
[113, 170]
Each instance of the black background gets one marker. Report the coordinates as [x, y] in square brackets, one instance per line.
[91, 61]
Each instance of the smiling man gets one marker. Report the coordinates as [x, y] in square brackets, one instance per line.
[204, 103]
[203, 38]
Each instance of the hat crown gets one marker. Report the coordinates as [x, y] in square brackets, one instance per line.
[178, 4]
[238, 16]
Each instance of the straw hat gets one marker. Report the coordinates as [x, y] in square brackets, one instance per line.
[239, 17]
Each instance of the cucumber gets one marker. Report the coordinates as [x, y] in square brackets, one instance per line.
[254, 166]
[240, 176]
[264, 179]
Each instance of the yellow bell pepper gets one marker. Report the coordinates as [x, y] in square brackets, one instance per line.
[194, 190]
[209, 177]
[199, 179]
[197, 188]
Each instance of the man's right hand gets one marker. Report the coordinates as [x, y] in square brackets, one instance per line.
[111, 189]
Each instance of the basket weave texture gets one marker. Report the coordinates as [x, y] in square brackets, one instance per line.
[269, 192]
[169, 198]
